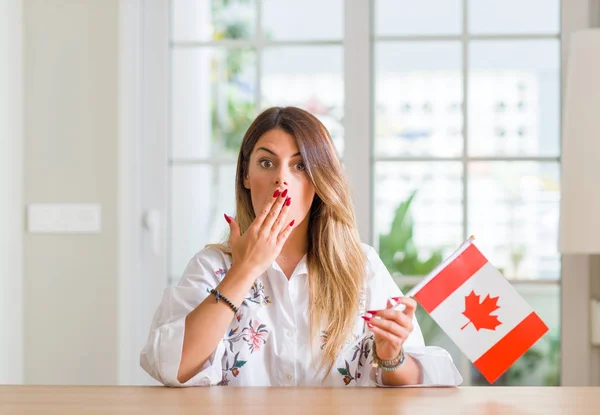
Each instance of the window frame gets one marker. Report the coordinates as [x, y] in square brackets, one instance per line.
[464, 365]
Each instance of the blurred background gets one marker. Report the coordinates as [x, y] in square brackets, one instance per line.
[121, 123]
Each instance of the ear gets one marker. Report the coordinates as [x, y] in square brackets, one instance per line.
[245, 181]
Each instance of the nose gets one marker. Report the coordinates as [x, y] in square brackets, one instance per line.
[281, 177]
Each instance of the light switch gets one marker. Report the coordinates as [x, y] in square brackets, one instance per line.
[64, 218]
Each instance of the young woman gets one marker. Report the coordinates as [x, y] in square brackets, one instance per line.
[287, 299]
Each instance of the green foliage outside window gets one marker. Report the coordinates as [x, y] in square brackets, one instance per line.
[400, 255]
[231, 120]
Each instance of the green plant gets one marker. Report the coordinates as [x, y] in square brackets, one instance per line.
[224, 26]
[527, 363]
[231, 120]
[230, 126]
[552, 377]
[400, 255]
[397, 249]
[543, 358]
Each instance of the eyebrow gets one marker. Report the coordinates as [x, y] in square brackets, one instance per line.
[272, 152]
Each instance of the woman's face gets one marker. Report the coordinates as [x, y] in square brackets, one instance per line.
[276, 163]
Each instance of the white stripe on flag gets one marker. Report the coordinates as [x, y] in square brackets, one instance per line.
[487, 280]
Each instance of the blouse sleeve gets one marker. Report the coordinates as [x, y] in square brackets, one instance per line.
[161, 355]
[436, 363]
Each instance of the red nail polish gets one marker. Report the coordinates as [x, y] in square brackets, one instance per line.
[276, 193]
[227, 218]
[288, 201]
[396, 298]
[370, 325]
[284, 194]
[292, 222]
[366, 318]
[372, 312]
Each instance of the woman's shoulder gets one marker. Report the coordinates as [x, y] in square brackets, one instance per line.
[213, 256]
[372, 259]
[209, 265]
[378, 277]
[368, 250]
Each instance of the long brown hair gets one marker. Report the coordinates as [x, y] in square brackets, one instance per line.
[335, 259]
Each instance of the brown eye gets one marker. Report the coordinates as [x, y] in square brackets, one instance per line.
[300, 167]
[266, 163]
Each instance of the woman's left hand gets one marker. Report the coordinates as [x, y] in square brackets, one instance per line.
[391, 327]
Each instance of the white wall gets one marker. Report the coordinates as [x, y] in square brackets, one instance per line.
[11, 193]
[580, 361]
[71, 155]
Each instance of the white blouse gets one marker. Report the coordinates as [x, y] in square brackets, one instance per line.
[267, 343]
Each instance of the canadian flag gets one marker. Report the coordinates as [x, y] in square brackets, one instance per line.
[480, 311]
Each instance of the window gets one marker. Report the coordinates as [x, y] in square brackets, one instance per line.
[464, 113]
[230, 59]
[466, 133]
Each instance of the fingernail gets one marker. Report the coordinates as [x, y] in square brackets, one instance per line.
[227, 218]
[396, 298]
[284, 194]
[372, 312]
[288, 201]
[292, 222]
[276, 193]
[366, 318]
[370, 325]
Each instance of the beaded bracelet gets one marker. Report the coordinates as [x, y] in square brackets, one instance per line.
[220, 296]
[388, 365]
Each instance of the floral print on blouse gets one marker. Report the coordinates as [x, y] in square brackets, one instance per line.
[268, 341]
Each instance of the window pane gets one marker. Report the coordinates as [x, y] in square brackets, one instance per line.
[413, 243]
[540, 365]
[514, 16]
[425, 17]
[513, 213]
[208, 20]
[200, 195]
[303, 20]
[310, 78]
[514, 98]
[418, 96]
[212, 102]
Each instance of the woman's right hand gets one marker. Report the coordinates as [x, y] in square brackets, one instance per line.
[261, 244]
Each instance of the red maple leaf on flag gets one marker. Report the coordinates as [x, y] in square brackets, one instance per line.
[480, 313]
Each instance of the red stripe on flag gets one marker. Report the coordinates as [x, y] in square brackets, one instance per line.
[500, 356]
[450, 278]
